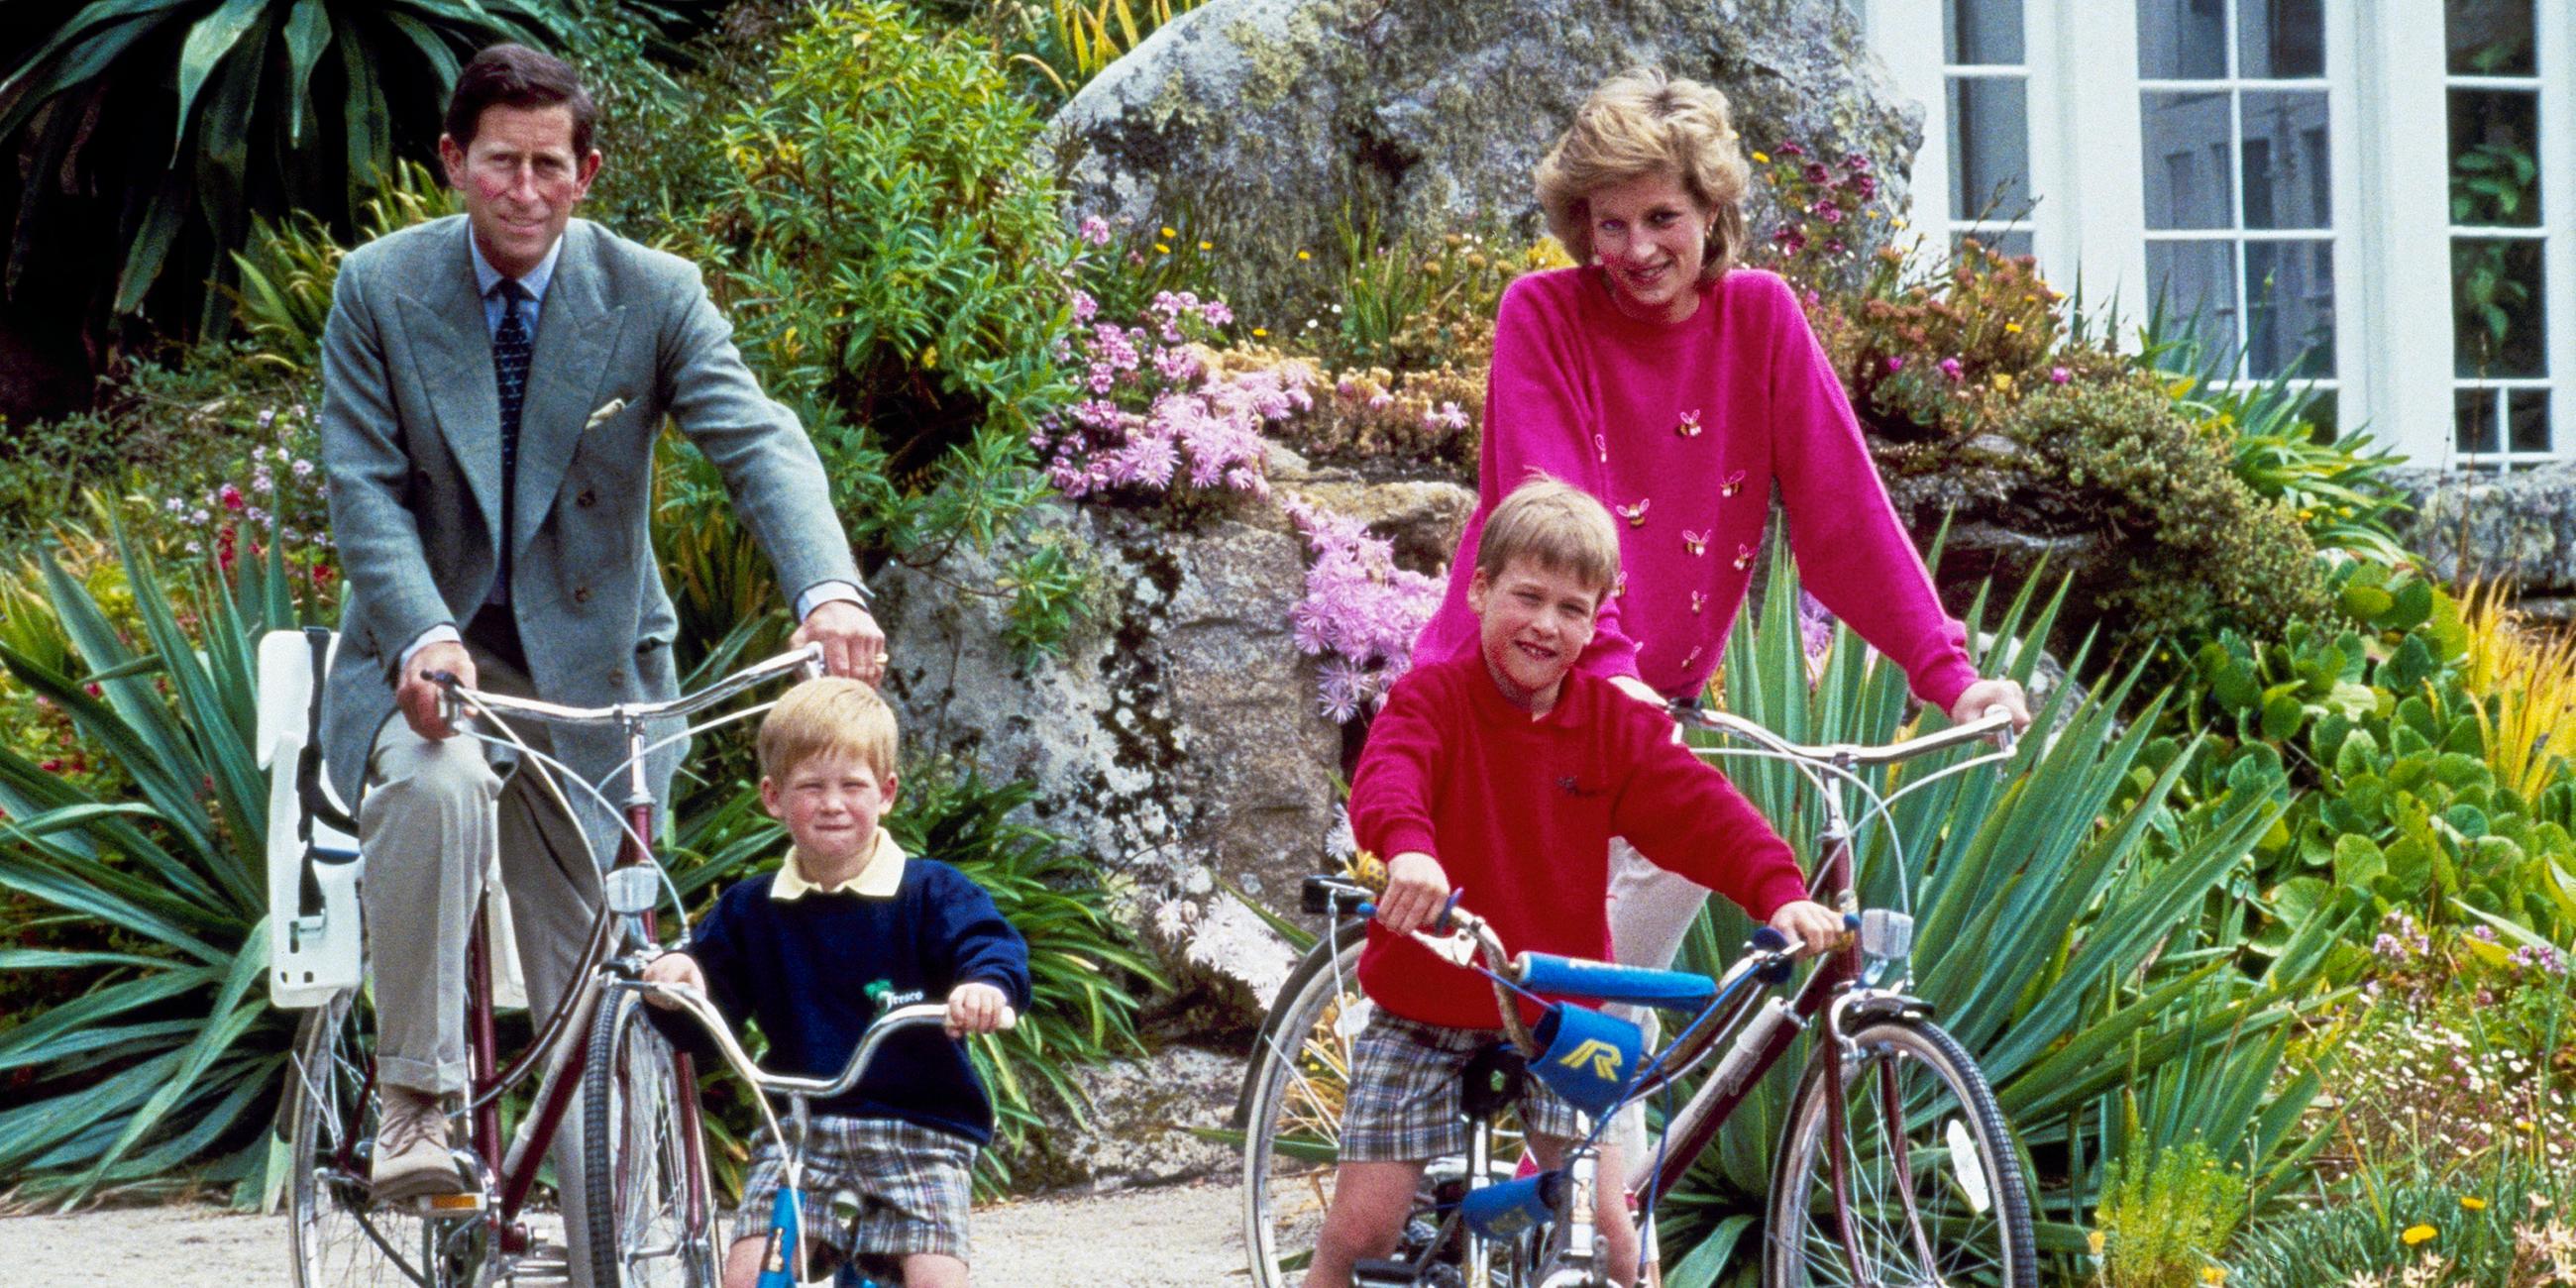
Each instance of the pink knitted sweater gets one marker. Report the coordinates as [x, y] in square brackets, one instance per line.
[1682, 428]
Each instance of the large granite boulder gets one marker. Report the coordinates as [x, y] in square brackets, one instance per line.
[1264, 124]
[1143, 1125]
[2520, 526]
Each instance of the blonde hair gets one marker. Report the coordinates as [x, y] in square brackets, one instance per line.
[1639, 123]
[1558, 526]
[826, 716]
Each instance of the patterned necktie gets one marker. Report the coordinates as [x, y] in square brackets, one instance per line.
[510, 349]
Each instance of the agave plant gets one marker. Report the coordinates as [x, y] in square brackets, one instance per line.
[2055, 904]
[173, 1058]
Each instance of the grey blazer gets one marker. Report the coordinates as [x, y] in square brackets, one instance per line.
[411, 446]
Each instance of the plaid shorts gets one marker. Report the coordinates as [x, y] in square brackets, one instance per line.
[1403, 1101]
[912, 1184]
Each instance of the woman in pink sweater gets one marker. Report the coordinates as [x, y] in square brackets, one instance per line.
[1679, 390]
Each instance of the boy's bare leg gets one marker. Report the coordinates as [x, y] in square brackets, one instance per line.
[742, 1262]
[932, 1270]
[1610, 1218]
[1369, 1204]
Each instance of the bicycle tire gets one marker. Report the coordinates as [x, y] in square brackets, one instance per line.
[341, 1236]
[1962, 1224]
[636, 1159]
[1291, 1106]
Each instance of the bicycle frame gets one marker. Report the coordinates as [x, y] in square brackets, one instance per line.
[1837, 989]
[510, 1173]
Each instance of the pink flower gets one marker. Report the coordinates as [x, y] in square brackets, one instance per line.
[232, 497]
[2059, 375]
[1095, 230]
[1856, 163]
[1950, 368]
[1790, 149]
[1817, 173]
[1896, 363]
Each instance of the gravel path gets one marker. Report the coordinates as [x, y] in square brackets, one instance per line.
[1183, 1236]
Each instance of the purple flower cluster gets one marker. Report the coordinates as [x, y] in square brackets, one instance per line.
[1360, 612]
[1820, 197]
[1155, 419]
[2400, 940]
[2534, 957]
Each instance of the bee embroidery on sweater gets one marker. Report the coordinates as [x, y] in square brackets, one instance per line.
[1690, 427]
[1734, 483]
[1602, 446]
[1743, 557]
[1634, 514]
[1695, 542]
[1699, 600]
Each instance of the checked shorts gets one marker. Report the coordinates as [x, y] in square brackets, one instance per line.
[1403, 1102]
[912, 1184]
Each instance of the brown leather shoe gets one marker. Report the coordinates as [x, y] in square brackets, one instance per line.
[411, 1157]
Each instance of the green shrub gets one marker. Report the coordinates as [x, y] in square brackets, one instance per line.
[2493, 1229]
[2165, 1217]
[896, 271]
[2192, 547]
[285, 275]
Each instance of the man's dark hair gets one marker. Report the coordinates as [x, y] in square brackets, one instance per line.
[517, 76]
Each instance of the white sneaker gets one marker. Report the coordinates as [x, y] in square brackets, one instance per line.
[411, 1156]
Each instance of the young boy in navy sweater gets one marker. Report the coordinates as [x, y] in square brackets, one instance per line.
[1505, 775]
[810, 950]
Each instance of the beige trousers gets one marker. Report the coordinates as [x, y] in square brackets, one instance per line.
[426, 825]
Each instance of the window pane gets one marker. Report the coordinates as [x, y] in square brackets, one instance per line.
[2496, 308]
[2526, 420]
[2009, 244]
[2489, 37]
[2280, 39]
[2495, 169]
[1982, 31]
[2289, 288]
[1989, 149]
[2286, 160]
[2182, 39]
[2473, 422]
[2192, 288]
[2188, 170]
[2324, 415]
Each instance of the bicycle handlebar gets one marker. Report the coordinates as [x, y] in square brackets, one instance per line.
[460, 698]
[694, 1004]
[1996, 722]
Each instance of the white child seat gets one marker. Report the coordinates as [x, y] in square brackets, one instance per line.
[316, 944]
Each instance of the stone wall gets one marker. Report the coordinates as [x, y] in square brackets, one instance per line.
[2518, 526]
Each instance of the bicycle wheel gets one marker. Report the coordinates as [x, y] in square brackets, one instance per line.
[650, 1206]
[1936, 1190]
[342, 1236]
[1291, 1108]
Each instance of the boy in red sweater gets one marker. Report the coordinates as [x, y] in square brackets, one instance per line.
[1505, 775]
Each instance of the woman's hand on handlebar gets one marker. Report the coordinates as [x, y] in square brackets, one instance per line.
[1811, 927]
[1984, 695]
[1416, 888]
[673, 968]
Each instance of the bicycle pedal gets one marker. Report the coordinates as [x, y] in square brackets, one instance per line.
[1383, 1274]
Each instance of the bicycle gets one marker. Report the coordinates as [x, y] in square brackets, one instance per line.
[650, 1211]
[1893, 1167]
[784, 1262]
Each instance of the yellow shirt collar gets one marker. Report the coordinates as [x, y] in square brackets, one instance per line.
[879, 878]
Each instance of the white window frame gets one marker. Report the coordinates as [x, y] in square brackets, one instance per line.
[2389, 147]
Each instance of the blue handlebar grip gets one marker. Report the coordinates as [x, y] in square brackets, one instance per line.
[1767, 940]
[1771, 942]
[1851, 921]
[1367, 909]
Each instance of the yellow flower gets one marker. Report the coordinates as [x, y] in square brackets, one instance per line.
[2093, 1240]
[930, 358]
[1260, 333]
[2416, 1234]
[1761, 158]
[1896, 223]
[1162, 249]
[1205, 245]
[1168, 231]
[2003, 381]
[1303, 255]
[2012, 328]
[2213, 1274]
[2473, 1203]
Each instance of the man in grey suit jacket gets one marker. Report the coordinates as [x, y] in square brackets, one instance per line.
[493, 385]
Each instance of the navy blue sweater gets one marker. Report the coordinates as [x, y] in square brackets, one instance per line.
[802, 968]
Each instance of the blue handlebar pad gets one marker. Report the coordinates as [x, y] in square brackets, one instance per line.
[1603, 981]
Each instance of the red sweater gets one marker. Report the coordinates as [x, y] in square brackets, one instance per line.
[1682, 428]
[1520, 813]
